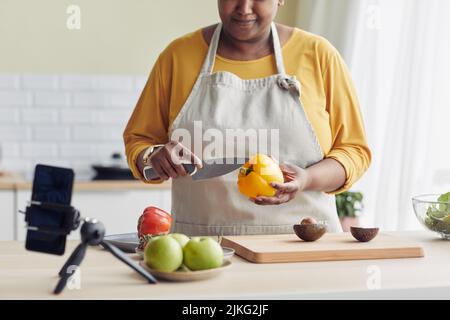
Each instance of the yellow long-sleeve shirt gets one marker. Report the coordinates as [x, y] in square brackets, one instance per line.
[328, 96]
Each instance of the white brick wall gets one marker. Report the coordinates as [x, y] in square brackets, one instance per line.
[15, 98]
[39, 150]
[101, 133]
[113, 83]
[51, 134]
[39, 81]
[52, 99]
[9, 116]
[123, 100]
[77, 116]
[39, 116]
[12, 150]
[63, 119]
[9, 81]
[119, 117]
[77, 82]
[89, 99]
[11, 134]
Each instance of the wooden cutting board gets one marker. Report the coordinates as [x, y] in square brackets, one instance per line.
[337, 246]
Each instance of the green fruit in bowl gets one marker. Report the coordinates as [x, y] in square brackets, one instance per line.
[443, 207]
[446, 224]
[181, 238]
[163, 254]
[432, 212]
[430, 223]
[202, 253]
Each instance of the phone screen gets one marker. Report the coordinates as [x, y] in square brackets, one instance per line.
[53, 185]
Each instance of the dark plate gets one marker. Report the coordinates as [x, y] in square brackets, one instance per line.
[112, 173]
[127, 242]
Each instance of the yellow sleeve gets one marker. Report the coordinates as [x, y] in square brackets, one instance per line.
[148, 124]
[349, 146]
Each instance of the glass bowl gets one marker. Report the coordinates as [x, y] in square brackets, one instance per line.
[433, 214]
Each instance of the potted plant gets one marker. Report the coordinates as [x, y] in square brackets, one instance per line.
[349, 206]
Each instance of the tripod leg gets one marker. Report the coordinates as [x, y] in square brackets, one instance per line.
[124, 258]
[71, 258]
[75, 260]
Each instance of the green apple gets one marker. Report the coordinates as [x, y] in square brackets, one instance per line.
[202, 253]
[181, 238]
[163, 253]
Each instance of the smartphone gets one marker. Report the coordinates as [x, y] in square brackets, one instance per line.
[50, 185]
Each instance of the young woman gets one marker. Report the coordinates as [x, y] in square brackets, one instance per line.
[248, 72]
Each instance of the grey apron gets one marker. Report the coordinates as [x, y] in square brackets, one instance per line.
[223, 101]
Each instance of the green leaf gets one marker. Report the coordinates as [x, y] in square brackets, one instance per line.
[444, 198]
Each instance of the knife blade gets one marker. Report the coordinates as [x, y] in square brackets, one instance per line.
[211, 168]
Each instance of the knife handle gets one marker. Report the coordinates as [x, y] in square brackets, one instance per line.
[150, 174]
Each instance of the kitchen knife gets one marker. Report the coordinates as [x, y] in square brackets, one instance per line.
[211, 168]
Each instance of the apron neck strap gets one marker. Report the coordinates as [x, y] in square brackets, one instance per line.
[277, 50]
[208, 65]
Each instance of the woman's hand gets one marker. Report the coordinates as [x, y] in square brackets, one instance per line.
[167, 161]
[296, 179]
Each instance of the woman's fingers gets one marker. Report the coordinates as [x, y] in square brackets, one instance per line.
[285, 192]
[288, 169]
[288, 187]
[168, 168]
[181, 171]
[174, 154]
[159, 171]
[194, 159]
[282, 198]
[179, 168]
[162, 166]
[168, 161]
[180, 154]
[264, 201]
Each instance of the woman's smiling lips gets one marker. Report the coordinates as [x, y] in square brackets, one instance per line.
[243, 22]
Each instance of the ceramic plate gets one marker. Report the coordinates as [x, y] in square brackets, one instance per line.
[187, 275]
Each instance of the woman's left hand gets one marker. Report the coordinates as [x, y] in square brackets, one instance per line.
[296, 180]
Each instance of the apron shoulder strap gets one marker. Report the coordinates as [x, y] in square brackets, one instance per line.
[277, 50]
[208, 65]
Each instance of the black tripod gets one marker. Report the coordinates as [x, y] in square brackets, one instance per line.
[92, 233]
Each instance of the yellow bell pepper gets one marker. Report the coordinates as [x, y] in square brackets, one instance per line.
[256, 175]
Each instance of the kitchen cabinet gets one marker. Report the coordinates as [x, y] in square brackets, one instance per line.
[118, 209]
[7, 208]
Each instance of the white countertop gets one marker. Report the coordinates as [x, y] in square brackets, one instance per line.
[29, 275]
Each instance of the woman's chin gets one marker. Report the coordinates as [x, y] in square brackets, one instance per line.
[243, 36]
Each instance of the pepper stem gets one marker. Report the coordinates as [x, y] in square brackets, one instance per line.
[246, 171]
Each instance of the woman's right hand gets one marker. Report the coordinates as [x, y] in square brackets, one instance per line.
[167, 161]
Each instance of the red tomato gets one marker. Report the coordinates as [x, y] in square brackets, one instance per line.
[154, 221]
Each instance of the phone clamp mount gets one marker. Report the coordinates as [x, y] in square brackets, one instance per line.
[92, 233]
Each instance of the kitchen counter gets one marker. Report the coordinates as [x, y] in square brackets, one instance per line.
[117, 203]
[8, 181]
[27, 275]
[17, 183]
